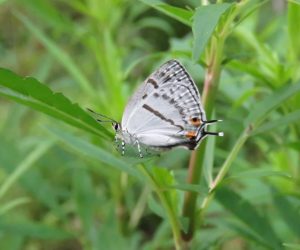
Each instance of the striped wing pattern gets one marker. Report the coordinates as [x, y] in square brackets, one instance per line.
[165, 111]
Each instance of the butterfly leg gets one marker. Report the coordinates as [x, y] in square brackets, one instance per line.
[123, 147]
[139, 148]
[117, 143]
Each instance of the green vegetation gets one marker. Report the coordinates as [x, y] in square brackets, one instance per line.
[63, 186]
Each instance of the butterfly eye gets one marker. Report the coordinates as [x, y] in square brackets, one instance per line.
[116, 126]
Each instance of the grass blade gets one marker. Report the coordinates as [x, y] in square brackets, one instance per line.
[181, 15]
[261, 109]
[12, 204]
[49, 14]
[61, 56]
[279, 123]
[289, 213]
[24, 166]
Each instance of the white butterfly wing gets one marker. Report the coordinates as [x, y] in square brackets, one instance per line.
[166, 110]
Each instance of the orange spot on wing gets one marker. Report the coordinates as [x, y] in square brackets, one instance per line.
[191, 134]
[195, 121]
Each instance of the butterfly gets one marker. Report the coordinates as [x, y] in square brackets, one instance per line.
[165, 112]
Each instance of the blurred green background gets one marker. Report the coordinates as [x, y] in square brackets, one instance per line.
[62, 188]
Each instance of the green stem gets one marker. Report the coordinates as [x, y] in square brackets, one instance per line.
[226, 165]
[167, 207]
[209, 94]
[224, 169]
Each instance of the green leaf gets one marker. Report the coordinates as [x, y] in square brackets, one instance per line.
[279, 123]
[205, 21]
[288, 211]
[261, 109]
[164, 179]
[86, 148]
[32, 93]
[159, 179]
[61, 56]
[248, 214]
[179, 14]
[156, 207]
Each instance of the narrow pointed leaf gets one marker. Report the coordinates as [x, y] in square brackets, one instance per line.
[62, 57]
[182, 15]
[288, 211]
[32, 93]
[261, 109]
[205, 21]
[292, 117]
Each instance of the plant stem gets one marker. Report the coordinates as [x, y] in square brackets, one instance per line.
[226, 165]
[167, 207]
[212, 75]
[224, 169]
[213, 61]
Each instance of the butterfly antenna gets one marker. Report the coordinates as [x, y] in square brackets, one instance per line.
[100, 120]
[212, 121]
[214, 133]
